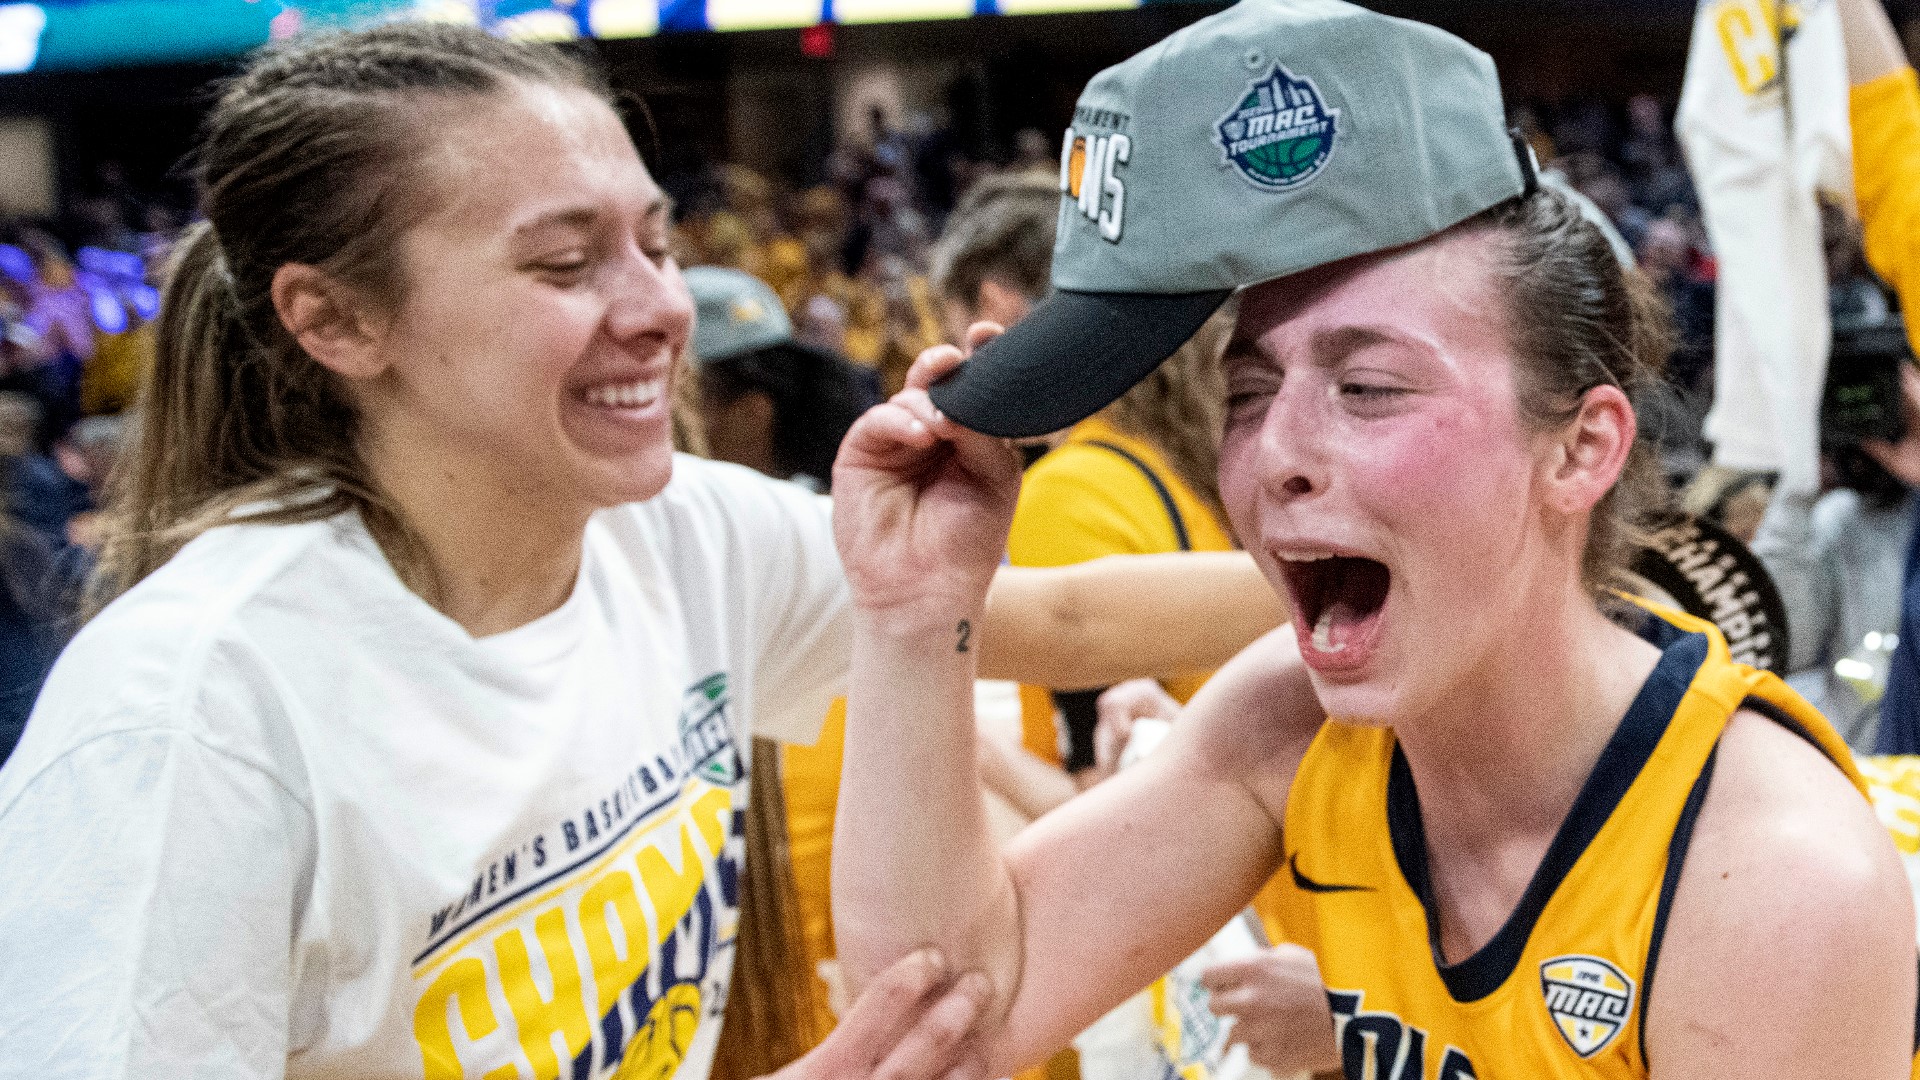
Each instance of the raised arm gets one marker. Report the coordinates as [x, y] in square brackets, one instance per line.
[1873, 48]
[1124, 617]
[1106, 893]
[1885, 112]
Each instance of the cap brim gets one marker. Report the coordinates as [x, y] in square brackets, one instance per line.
[1074, 355]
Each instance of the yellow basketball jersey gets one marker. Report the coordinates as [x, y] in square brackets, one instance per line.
[1562, 989]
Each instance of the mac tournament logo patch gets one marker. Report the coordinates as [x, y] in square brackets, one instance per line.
[1282, 132]
[706, 735]
[1589, 1000]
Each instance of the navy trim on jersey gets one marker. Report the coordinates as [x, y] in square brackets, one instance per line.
[1079, 709]
[1676, 859]
[1785, 719]
[1620, 763]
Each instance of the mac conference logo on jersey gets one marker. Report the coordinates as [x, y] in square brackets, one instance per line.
[1282, 132]
[1589, 1000]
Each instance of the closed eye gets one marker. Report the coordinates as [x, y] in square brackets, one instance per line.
[1372, 391]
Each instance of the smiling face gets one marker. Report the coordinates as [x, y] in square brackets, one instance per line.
[533, 352]
[1378, 468]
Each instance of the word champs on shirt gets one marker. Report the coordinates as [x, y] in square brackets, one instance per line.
[275, 815]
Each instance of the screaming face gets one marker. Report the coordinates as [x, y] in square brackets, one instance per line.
[1376, 465]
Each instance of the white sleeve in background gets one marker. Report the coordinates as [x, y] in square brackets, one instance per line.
[1764, 128]
[148, 889]
[1785, 544]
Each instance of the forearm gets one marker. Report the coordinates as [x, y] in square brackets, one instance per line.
[1784, 543]
[1124, 617]
[914, 862]
[1028, 784]
[1884, 109]
[1873, 48]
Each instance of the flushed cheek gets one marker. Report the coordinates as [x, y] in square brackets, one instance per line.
[1456, 498]
[1239, 487]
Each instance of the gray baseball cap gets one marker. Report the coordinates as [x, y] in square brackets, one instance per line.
[734, 313]
[1271, 138]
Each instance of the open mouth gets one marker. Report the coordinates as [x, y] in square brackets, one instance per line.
[1337, 601]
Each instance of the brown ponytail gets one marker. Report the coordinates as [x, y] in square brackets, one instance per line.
[1578, 320]
[310, 156]
[771, 1011]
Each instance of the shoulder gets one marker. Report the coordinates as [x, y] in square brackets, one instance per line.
[1083, 463]
[1790, 881]
[1096, 493]
[176, 653]
[1256, 717]
[1777, 806]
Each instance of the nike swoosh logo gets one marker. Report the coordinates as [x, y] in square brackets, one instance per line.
[1307, 884]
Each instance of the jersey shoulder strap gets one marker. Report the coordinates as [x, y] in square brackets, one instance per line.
[1159, 488]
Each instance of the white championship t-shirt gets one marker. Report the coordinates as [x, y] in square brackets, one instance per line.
[275, 814]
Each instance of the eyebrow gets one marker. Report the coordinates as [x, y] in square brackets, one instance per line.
[578, 217]
[1329, 347]
[581, 217]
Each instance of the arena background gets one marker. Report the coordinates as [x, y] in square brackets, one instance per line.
[775, 100]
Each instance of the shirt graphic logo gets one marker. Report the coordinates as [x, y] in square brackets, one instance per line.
[1281, 134]
[1589, 1000]
[704, 734]
[598, 948]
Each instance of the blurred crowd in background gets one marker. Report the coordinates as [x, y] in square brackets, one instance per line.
[848, 256]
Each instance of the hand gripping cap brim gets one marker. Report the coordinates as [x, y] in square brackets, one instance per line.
[1071, 357]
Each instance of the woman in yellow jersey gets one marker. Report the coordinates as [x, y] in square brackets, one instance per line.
[1530, 842]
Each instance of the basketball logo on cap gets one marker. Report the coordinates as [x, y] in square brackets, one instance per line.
[1281, 133]
[1589, 1000]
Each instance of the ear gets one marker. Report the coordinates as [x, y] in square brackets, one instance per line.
[328, 322]
[1590, 453]
[1001, 303]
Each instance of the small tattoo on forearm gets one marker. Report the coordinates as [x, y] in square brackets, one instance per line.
[965, 630]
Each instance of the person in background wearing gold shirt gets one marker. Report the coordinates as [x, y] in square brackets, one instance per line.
[1885, 114]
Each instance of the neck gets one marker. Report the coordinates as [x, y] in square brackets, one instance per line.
[490, 552]
[1542, 707]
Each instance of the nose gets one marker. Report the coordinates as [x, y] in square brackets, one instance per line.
[1290, 460]
[649, 299]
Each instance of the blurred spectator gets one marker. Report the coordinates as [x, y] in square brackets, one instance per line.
[34, 610]
[87, 456]
[1854, 295]
[56, 312]
[1656, 176]
[767, 401]
[1669, 255]
[1034, 152]
[995, 261]
[38, 581]
[37, 493]
[1837, 561]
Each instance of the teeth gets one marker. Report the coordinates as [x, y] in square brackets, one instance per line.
[1316, 557]
[636, 395]
[1323, 634]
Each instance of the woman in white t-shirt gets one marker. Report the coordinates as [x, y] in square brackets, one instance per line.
[415, 743]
